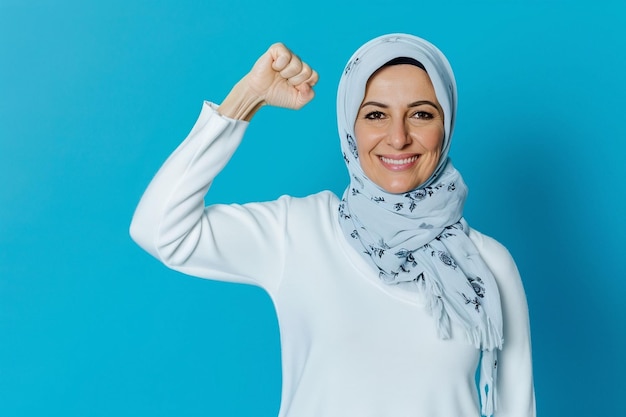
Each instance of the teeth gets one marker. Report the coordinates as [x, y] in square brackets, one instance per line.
[399, 161]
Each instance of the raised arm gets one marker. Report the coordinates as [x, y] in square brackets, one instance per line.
[237, 243]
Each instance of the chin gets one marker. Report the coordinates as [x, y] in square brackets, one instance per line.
[396, 183]
[398, 188]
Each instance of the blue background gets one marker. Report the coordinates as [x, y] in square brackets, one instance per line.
[95, 95]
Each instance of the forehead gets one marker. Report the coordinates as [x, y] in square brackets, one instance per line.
[402, 78]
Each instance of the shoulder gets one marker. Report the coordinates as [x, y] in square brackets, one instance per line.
[487, 244]
[314, 216]
[497, 257]
[510, 284]
[320, 197]
[322, 202]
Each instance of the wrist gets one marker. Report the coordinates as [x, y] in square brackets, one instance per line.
[241, 103]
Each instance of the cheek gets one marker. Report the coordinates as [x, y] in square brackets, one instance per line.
[432, 140]
[365, 140]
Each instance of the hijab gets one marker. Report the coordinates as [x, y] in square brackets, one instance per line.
[419, 239]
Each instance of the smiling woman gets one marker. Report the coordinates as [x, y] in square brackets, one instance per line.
[399, 129]
[388, 302]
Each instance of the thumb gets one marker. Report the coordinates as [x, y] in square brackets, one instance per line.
[265, 62]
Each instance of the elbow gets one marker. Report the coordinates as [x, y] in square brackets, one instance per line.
[172, 251]
[172, 239]
[141, 235]
[175, 251]
[135, 232]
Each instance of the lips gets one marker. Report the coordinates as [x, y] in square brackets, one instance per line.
[398, 163]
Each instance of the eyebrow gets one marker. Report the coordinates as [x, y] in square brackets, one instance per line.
[414, 104]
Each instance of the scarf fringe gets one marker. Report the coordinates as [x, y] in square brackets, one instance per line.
[489, 339]
[436, 307]
[487, 383]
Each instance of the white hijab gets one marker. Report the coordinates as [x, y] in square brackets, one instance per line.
[419, 239]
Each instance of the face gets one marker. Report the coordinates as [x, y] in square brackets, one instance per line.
[399, 128]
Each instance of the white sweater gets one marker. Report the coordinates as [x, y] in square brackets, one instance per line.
[351, 345]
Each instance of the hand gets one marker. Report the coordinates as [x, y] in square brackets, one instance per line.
[278, 78]
[281, 79]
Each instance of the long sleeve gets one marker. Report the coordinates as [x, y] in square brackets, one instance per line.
[516, 396]
[239, 243]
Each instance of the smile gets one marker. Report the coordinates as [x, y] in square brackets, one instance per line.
[398, 162]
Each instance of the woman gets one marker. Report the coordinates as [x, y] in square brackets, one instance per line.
[387, 301]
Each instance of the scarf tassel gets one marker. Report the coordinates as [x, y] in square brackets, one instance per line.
[487, 382]
[435, 306]
[487, 339]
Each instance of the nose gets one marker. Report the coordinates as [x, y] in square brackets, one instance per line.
[399, 136]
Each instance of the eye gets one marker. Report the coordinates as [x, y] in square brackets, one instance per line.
[375, 115]
[423, 115]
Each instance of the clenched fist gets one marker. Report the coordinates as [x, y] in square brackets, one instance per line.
[278, 78]
[281, 79]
